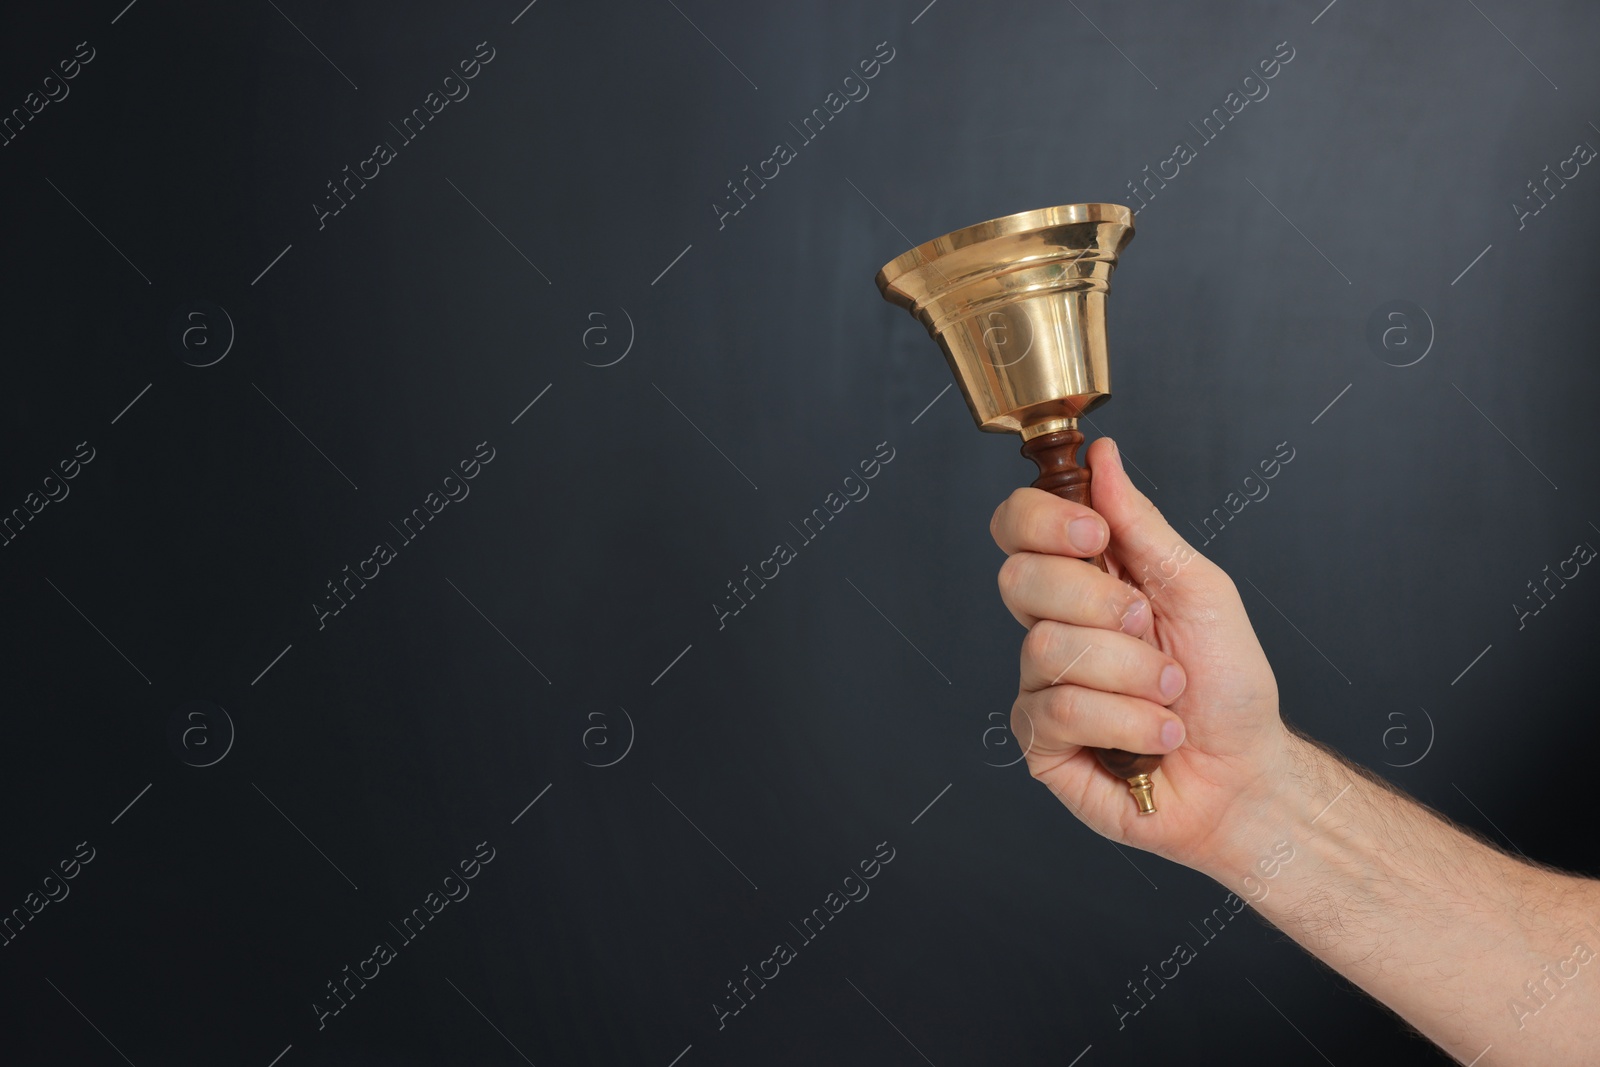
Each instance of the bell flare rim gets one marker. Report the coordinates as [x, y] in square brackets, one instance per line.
[1006, 226]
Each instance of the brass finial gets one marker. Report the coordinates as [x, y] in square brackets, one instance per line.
[1144, 793]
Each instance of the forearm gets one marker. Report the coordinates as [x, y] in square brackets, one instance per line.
[1470, 946]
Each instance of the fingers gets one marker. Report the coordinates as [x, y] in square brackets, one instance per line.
[1032, 520]
[1057, 720]
[1035, 585]
[1055, 654]
[1148, 550]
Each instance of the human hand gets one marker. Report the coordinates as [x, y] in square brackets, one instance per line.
[1158, 656]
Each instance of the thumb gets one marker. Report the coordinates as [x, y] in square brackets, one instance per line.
[1152, 555]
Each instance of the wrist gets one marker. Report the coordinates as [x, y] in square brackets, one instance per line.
[1277, 815]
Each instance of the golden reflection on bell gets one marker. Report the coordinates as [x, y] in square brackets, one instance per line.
[1018, 304]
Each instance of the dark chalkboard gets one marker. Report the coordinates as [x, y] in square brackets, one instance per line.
[398, 399]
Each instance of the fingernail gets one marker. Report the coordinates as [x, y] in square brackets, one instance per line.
[1085, 534]
[1171, 681]
[1116, 455]
[1171, 734]
[1134, 618]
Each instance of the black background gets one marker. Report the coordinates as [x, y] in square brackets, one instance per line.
[778, 751]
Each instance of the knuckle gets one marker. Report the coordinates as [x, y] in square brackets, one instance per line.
[996, 521]
[1008, 517]
[1039, 648]
[1033, 644]
[1066, 704]
[1013, 575]
[1021, 722]
[1039, 521]
[1040, 642]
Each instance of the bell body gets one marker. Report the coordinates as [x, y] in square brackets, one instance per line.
[1018, 306]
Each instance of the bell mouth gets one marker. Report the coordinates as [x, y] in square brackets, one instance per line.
[1023, 222]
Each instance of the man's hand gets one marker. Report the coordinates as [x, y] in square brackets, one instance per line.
[1477, 950]
[1156, 657]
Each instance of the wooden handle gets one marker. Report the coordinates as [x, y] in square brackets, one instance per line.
[1057, 456]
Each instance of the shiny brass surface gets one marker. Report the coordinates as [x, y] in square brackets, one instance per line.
[1039, 429]
[1018, 306]
[1144, 793]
